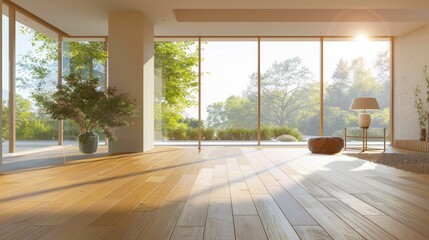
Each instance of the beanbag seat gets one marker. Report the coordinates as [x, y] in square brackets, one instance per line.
[325, 145]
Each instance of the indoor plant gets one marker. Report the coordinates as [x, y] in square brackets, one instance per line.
[82, 102]
[418, 103]
[427, 95]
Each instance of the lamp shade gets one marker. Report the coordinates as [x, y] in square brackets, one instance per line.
[364, 103]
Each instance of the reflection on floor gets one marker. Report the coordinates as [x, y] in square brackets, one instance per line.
[31, 145]
[46, 157]
[58, 155]
[216, 193]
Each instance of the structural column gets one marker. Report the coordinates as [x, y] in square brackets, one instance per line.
[131, 70]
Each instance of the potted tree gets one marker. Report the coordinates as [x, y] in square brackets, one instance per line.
[82, 102]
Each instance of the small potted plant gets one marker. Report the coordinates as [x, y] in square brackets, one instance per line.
[82, 102]
[425, 70]
[418, 104]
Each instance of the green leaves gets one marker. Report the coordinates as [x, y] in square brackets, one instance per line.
[175, 67]
[427, 83]
[81, 101]
[285, 90]
[418, 104]
[84, 57]
[235, 112]
[418, 100]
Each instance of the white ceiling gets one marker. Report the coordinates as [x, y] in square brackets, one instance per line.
[89, 17]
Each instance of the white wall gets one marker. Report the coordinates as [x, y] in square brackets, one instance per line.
[148, 87]
[1, 84]
[131, 70]
[411, 55]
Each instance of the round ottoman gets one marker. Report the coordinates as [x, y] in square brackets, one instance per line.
[325, 145]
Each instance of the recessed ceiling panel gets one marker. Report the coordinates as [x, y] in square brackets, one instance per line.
[301, 15]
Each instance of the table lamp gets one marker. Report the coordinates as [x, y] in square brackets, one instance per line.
[364, 104]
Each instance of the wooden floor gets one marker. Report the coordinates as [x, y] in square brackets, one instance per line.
[217, 193]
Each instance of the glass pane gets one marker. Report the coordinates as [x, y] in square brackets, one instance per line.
[355, 69]
[290, 90]
[85, 58]
[5, 81]
[229, 90]
[36, 67]
[176, 91]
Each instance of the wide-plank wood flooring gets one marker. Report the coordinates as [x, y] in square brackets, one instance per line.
[215, 193]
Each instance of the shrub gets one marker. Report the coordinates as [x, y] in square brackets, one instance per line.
[192, 134]
[183, 132]
[222, 134]
[207, 133]
[250, 134]
[286, 138]
[268, 133]
[237, 134]
[178, 133]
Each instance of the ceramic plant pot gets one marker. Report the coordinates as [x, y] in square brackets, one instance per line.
[423, 134]
[88, 142]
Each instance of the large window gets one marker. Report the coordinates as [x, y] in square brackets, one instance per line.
[176, 90]
[289, 73]
[5, 81]
[36, 67]
[290, 90]
[32, 63]
[355, 68]
[229, 86]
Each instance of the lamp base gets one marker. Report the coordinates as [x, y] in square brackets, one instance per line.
[364, 120]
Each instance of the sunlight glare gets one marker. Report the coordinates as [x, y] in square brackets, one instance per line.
[361, 38]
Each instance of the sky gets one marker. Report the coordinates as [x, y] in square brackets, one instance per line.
[5, 58]
[226, 66]
[22, 46]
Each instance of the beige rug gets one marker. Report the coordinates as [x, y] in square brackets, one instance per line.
[411, 162]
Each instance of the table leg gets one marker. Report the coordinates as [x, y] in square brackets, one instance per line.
[364, 139]
[345, 138]
[384, 137]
